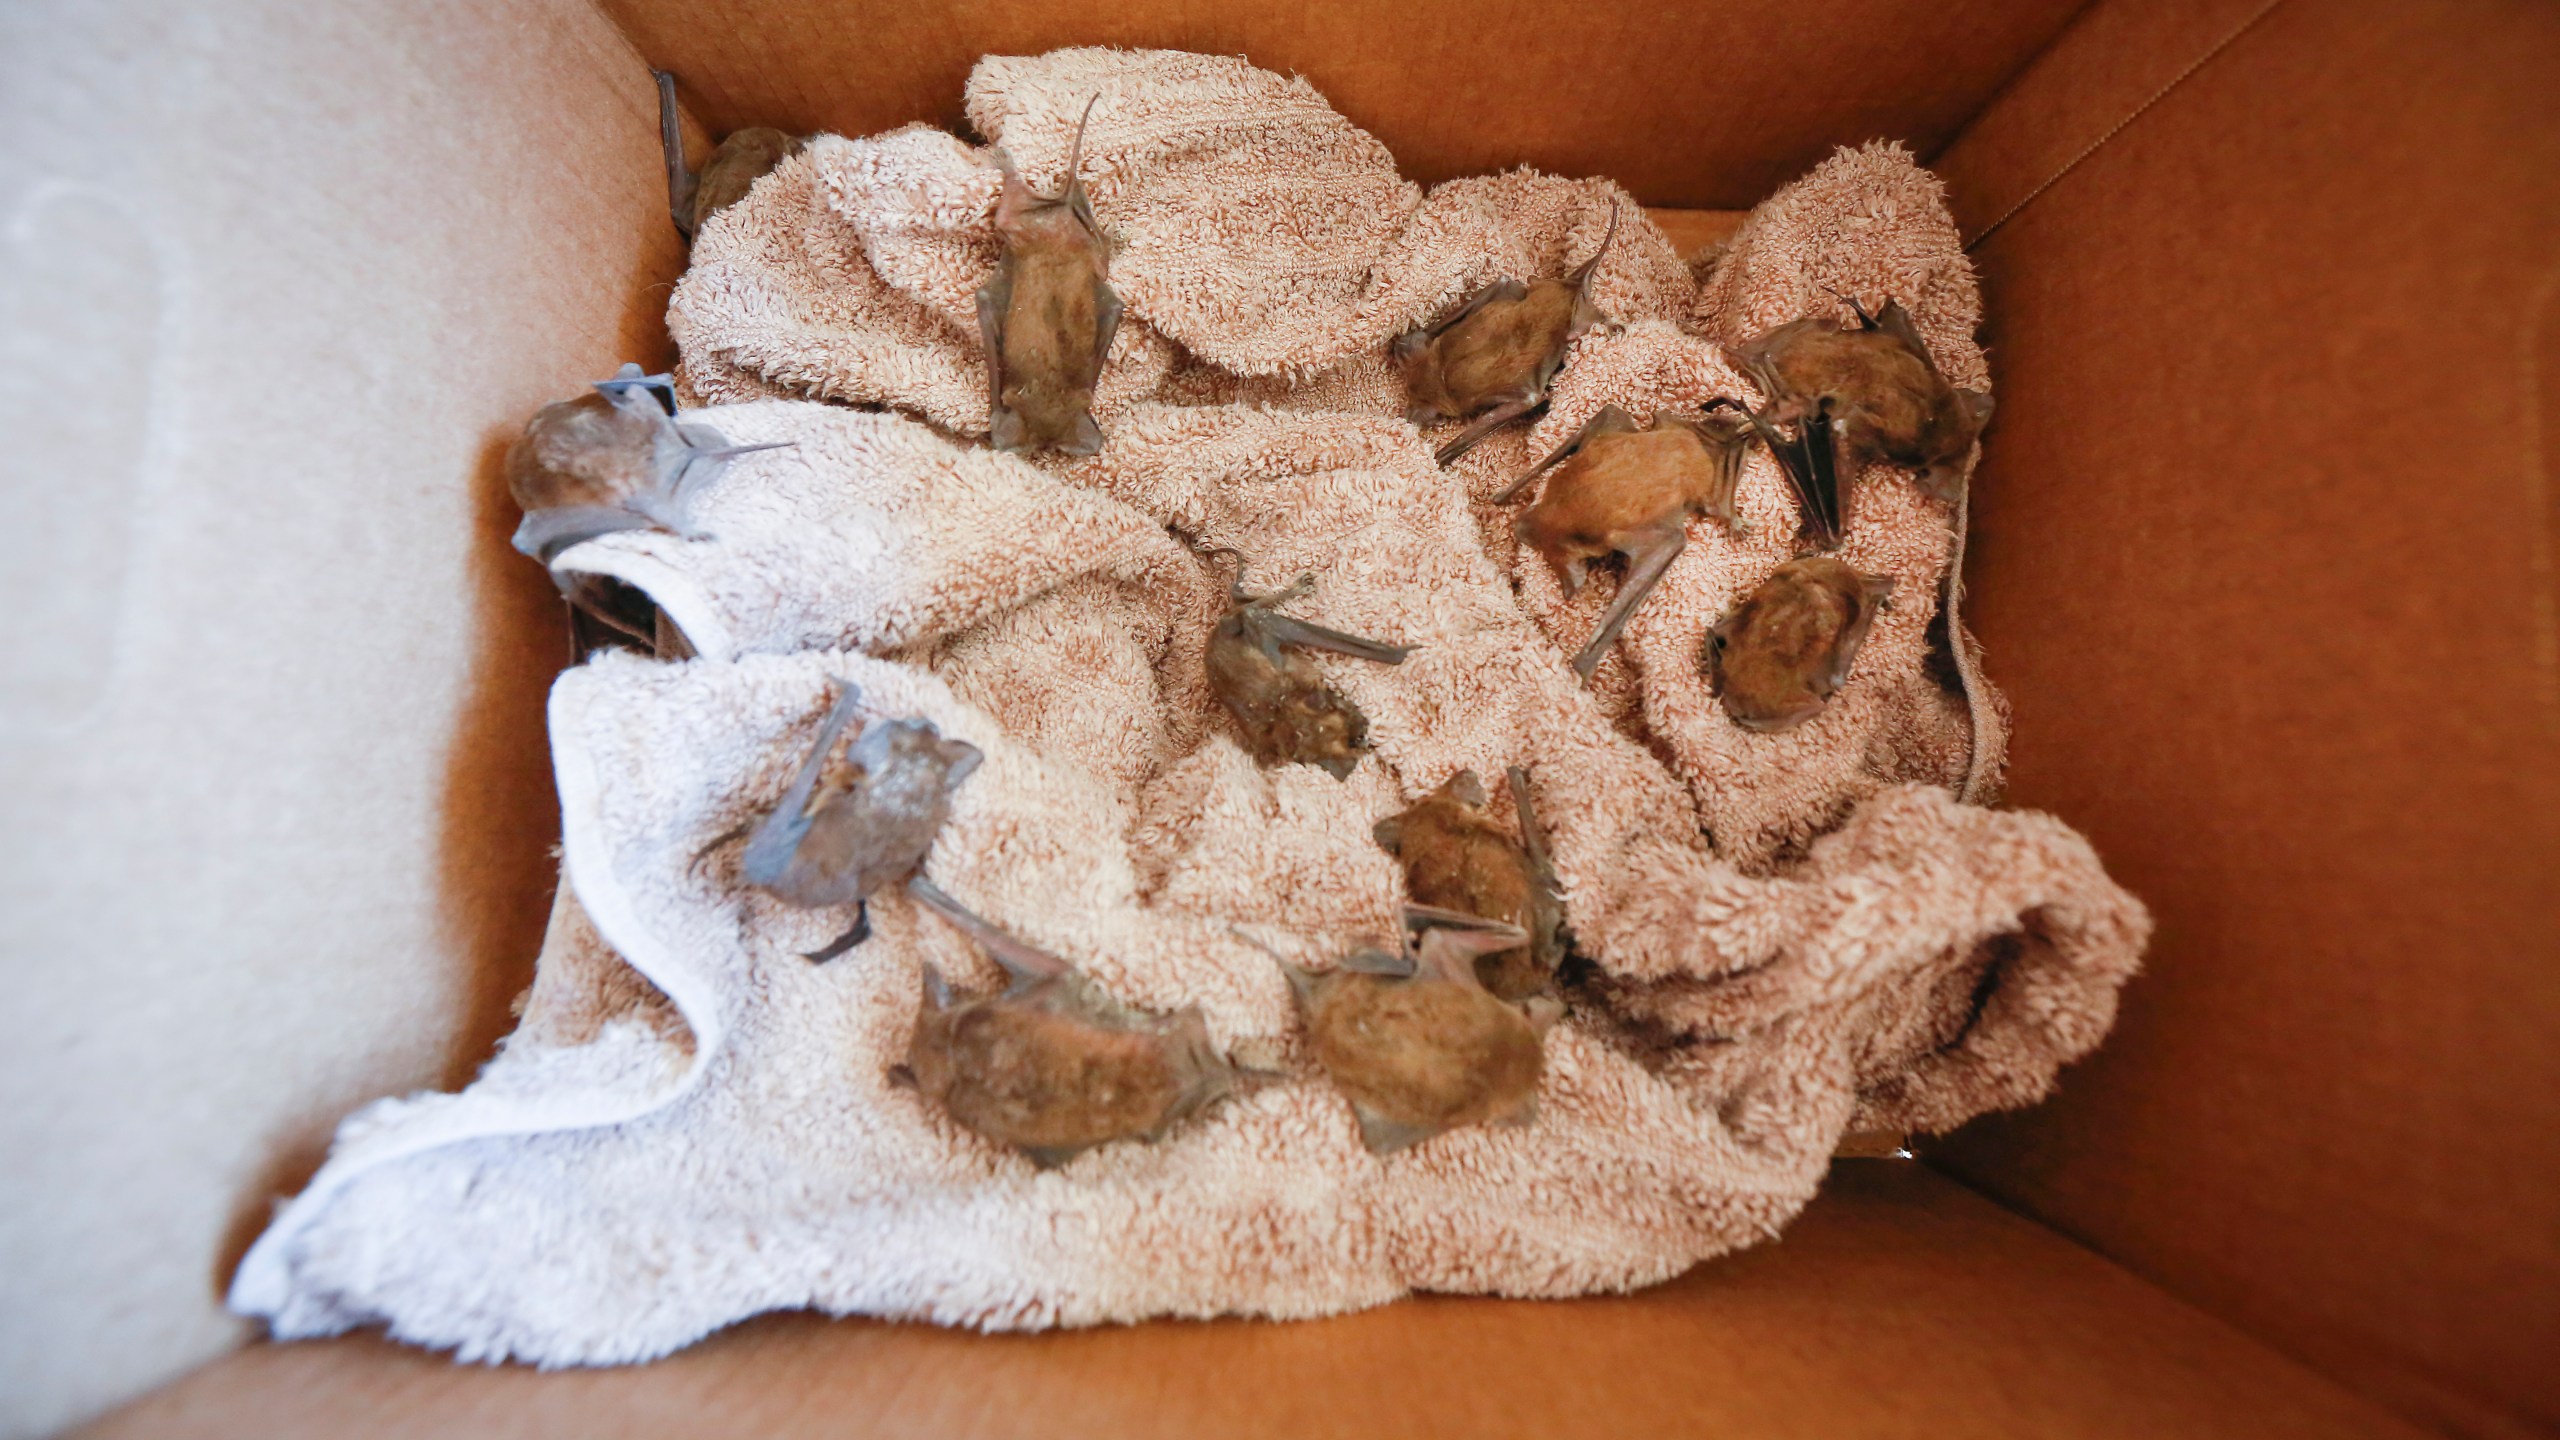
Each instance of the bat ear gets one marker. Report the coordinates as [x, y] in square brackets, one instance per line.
[937, 991]
[1389, 833]
[1878, 588]
[1977, 406]
[1543, 1012]
[960, 760]
[1465, 788]
[1088, 439]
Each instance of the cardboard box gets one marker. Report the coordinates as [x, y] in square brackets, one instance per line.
[2263, 554]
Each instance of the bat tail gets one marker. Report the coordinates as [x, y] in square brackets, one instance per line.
[681, 182]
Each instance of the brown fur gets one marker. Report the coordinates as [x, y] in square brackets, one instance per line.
[1421, 1054]
[1052, 1065]
[1777, 659]
[1891, 403]
[1496, 354]
[1048, 316]
[1287, 710]
[1455, 857]
[742, 159]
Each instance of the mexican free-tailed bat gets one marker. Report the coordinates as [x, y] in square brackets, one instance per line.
[742, 158]
[1492, 358]
[1778, 657]
[614, 459]
[1281, 700]
[838, 839]
[1629, 489]
[1048, 315]
[1868, 394]
[1456, 858]
[1052, 1065]
[1416, 1043]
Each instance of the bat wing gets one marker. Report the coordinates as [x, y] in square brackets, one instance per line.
[1492, 420]
[1897, 322]
[1649, 554]
[1533, 835]
[1003, 429]
[1024, 961]
[1106, 322]
[1505, 288]
[1287, 630]
[777, 839]
[545, 533]
[1610, 420]
[680, 182]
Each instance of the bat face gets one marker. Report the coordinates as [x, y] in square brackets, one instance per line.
[1048, 317]
[1616, 484]
[1455, 857]
[1053, 1067]
[1885, 390]
[742, 159]
[1422, 1054]
[1777, 659]
[840, 836]
[1289, 713]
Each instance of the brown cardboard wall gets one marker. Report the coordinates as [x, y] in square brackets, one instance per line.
[276, 280]
[2264, 555]
[1705, 106]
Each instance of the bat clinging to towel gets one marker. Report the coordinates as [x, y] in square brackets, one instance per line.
[837, 840]
[1048, 316]
[743, 158]
[1629, 489]
[1416, 1043]
[1778, 657]
[1857, 396]
[1456, 858]
[1287, 710]
[614, 459]
[1492, 358]
[1052, 1065]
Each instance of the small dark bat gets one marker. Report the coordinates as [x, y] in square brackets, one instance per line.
[1494, 356]
[742, 158]
[1777, 659]
[1052, 1065]
[614, 459]
[1048, 315]
[1456, 858]
[1416, 1043]
[837, 840]
[1288, 712]
[1856, 396]
[1622, 488]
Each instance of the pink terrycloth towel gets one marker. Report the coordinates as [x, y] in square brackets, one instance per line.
[1788, 934]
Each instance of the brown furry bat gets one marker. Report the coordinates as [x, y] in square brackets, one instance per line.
[1621, 488]
[616, 459]
[1288, 712]
[1052, 1065]
[1494, 356]
[1456, 858]
[838, 840]
[1869, 394]
[1778, 657]
[742, 158]
[1416, 1043]
[1048, 316]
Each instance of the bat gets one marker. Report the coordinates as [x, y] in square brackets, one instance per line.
[742, 158]
[1052, 1065]
[1621, 488]
[1858, 396]
[1416, 1043]
[1493, 357]
[1778, 657]
[836, 840]
[1457, 859]
[1288, 713]
[1048, 315]
[614, 459]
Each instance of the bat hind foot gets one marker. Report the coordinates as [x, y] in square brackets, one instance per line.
[860, 932]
